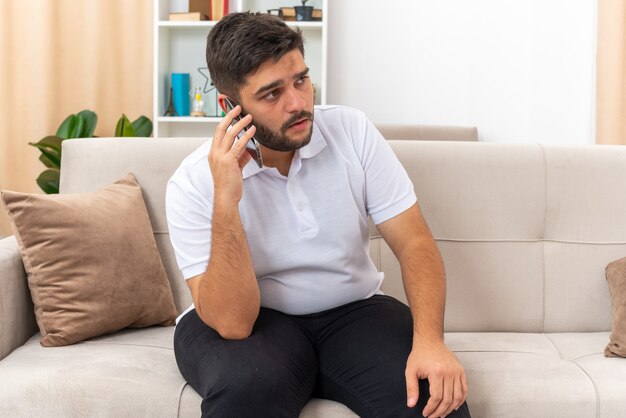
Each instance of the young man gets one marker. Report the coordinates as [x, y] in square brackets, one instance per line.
[287, 302]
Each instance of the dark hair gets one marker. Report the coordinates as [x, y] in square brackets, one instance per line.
[241, 42]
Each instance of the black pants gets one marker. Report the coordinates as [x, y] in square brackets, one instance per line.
[354, 354]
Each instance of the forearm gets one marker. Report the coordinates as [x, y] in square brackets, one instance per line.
[424, 281]
[228, 292]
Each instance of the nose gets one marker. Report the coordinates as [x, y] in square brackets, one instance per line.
[294, 100]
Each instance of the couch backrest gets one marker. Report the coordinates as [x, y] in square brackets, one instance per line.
[525, 231]
[429, 132]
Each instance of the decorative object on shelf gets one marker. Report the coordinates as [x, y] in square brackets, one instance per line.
[80, 125]
[197, 105]
[219, 9]
[211, 100]
[304, 12]
[188, 17]
[204, 72]
[180, 93]
[170, 106]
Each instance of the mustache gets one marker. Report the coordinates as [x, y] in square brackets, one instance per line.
[293, 119]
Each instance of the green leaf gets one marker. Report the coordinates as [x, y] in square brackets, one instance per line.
[50, 148]
[53, 142]
[90, 120]
[142, 126]
[77, 129]
[124, 127]
[66, 126]
[48, 181]
[46, 161]
[50, 154]
[71, 127]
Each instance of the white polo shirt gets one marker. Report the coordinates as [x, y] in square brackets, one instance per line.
[307, 232]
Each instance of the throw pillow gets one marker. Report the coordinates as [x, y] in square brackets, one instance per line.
[92, 262]
[616, 278]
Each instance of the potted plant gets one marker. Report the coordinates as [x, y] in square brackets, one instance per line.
[80, 125]
[304, 12]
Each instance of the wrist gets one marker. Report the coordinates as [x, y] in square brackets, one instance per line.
[428, 338]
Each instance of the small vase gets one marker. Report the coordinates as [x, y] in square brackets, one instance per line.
[304, 13]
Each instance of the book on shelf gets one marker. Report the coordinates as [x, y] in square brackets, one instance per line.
[317, 15]
[219, 9]
[201, 6]
[287, 14]
[186, 17]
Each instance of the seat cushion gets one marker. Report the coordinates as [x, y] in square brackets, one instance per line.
[540, 375]
[131, 373]
[134, 373]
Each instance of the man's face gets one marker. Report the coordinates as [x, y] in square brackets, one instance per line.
[279, 96]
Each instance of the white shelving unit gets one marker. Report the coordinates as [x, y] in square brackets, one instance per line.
[180, 47]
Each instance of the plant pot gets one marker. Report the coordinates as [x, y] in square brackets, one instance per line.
[304, 13]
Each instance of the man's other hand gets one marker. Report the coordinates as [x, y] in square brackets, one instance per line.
[446, 377]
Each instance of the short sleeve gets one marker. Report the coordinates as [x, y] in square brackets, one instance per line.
[388, 188]
[189, 214]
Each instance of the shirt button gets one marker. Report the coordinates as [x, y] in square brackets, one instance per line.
[300, 208]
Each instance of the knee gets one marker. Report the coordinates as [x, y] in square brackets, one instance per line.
[252, 391]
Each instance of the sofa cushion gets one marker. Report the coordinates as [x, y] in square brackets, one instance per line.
[134, 373]
[540, 375]
[131, 373]
[616, 278]
[93, 265]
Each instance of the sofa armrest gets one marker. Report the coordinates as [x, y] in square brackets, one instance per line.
[17, 317]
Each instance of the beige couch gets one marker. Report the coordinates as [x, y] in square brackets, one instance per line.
[525, 231]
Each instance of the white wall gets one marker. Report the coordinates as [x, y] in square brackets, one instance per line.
[519, 70]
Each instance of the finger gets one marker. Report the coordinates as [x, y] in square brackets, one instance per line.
[240, 145]
[231, 134]
[464, 385]
[222, 127]
[457, 396]
[412, 388]
[446, 400]
[243, 159]
[436, 394]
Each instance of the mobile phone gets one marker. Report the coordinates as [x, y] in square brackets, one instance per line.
[252, 146]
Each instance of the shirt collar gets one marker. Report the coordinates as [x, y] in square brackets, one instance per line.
[310, 150]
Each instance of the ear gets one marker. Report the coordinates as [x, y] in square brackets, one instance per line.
[220, 100]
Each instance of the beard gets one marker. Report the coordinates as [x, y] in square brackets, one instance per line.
[279, 141]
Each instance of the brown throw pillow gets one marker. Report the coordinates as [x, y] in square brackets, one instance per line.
[92, 262]
[616, 278]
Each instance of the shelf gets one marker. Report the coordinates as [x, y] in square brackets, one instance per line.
[189, 119]
[178, 24]
[180, 47]
[211, 23]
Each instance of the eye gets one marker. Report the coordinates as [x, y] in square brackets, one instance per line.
[302, 80]
[272, 94]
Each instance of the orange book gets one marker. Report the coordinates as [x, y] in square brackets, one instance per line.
[191, 16]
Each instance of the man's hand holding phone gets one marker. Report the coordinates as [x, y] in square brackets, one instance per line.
[228, 157]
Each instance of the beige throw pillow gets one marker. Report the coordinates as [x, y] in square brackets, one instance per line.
[92, 262]
[616, 278]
